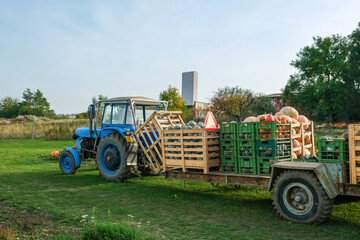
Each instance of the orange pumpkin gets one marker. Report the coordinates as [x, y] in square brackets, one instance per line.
[261, 118]
[303, 119]
[289, 111]
[298, 153]
[54, 153]
[250, 119]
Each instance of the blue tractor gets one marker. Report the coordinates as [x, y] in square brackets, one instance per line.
[112, 145]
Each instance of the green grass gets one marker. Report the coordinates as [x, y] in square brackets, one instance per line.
[158, 208]
[332, 132]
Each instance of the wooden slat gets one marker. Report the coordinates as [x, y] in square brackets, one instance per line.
[193, 150]
[352, 161]
[182, 153]
[155, 144]
[163, 151]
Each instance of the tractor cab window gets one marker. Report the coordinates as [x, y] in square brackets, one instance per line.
[129, 116]
[149, 110]
[139, 115]
[118, 114]
[107, 115]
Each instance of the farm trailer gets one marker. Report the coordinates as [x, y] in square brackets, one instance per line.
[302, 191]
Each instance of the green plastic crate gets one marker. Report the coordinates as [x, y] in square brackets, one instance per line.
[263, 164]
[228, 128]
[272, 148]
[228, 147]
[227, 136]
[247, 165]
[229, 164]
[246, 148]
[333, 150]
[246, 130]
[272, 130]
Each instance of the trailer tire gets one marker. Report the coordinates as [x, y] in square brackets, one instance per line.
[67, 163]
[298, 196]
[111, 159]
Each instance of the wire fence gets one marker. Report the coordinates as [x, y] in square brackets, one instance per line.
[53, 129]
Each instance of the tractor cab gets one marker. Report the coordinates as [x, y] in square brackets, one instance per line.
[125, 114]
[112, 143]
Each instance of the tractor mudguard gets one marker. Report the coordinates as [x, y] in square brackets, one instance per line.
[330, 175]
[75, 155]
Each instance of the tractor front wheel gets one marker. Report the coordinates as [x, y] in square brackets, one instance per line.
[111, 159]
[298, 196]
[67, 163]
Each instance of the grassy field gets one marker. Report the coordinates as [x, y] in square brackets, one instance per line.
[33, 189]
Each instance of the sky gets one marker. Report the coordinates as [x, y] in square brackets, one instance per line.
[74, 50]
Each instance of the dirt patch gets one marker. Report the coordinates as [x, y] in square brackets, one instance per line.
[19, 224]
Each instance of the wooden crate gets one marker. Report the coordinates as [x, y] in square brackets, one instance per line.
[354, 154]
[309, 132]
[148, 136]
[190, 149]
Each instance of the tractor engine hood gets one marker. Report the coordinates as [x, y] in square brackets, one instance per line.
[84, 132]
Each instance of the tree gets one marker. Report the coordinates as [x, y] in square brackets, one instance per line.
[175, 101]
[96, 99]
[234, 102]
[322, 87]
[261, 105]
[9, 107]
[352, 76]
[34, 103]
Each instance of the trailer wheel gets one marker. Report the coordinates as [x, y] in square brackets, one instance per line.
[111, 159]
[67, 163]
[298, 196]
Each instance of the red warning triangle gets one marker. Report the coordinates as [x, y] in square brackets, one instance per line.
[210, 122]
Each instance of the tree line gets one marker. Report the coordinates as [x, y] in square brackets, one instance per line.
[33, 103]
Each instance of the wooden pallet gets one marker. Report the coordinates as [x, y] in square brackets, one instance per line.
[148, 136]
[190, 149]
[309, 132]
[354, 154]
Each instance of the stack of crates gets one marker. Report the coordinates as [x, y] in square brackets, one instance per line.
[273, 142]
[333, 150]
[246, 147]
[228, 147]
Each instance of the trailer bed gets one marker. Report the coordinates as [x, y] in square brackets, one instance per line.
[256, 181]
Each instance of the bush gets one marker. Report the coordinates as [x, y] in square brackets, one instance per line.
[110, 231]
[58, 133]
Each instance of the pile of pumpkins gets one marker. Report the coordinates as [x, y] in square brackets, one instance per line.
[288, 114]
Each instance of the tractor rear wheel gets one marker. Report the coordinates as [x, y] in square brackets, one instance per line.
[67, 163]
[298, 196]
[111, 158]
